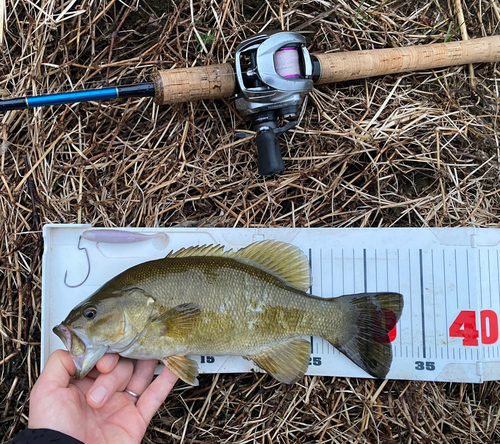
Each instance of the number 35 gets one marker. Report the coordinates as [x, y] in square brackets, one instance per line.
[420, 365]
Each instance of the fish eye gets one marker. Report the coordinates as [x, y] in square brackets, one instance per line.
[89, 312]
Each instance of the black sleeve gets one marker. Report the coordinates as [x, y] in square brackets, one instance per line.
[43, 436]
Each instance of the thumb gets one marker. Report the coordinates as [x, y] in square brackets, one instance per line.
[58, 371]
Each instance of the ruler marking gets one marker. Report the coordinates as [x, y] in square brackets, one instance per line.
[468, 277]
[411, 304]
[333, 275]
[456, 276]
[364, 270]
[376, 270]
[354, 270]
[312, 346]
[489, 278]
[422, 302]
[310, 271]
[400, 321]
[445, 306]
[498, 279]
[387, 268]
[480, 278]
[343, 276]
[434, 302]
[321, 270]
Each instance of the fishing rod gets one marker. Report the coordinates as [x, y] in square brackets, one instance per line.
[272, 74]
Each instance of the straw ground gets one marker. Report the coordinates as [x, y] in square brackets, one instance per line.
[419, 150]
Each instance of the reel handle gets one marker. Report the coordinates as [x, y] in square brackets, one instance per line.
[269, 154]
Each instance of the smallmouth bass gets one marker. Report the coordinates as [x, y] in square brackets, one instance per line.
[207, 301]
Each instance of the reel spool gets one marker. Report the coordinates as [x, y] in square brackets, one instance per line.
[274, 74]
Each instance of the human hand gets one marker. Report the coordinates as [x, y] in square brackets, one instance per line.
[95, 409]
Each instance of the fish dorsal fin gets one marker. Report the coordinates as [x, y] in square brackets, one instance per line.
[286, 261]
[287, 361]
[199, 251]
[182, 367]
[283, 260]
[179, 320]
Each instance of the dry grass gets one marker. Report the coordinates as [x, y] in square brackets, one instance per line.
[418, 149]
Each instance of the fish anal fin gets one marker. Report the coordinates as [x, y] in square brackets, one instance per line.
[179, 320]
[184, 368]
[286, 361]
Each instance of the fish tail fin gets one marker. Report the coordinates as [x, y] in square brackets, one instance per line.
[364, 338]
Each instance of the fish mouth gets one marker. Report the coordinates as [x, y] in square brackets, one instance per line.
[82, 351]
[64, 335]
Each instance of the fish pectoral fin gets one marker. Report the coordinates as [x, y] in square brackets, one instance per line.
[178, 321]
[287, 361]
[182, 367]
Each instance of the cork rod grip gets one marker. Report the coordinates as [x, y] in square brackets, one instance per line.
[341, 66]
[188, 84]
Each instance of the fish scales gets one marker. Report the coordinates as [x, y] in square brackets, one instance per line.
[252, 303]
[243, 307]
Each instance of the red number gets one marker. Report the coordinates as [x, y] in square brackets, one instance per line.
[465, 327]
[467, 320]
[492, 317]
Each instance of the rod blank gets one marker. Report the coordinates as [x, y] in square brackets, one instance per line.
[115, 92]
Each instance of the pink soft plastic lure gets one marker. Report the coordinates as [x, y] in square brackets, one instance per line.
[160, 241]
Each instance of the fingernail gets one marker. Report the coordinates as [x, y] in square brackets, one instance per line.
[98, 394]
[108, 360]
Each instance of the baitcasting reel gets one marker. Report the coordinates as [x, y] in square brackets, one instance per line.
[274, 74]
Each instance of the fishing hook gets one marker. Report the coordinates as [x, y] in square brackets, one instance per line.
[88, 272]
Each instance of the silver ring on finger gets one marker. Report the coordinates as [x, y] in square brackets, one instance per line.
[130, 392]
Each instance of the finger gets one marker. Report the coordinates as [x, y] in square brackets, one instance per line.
[84, 385]
[107, 384]
[107, 363]
[92, 374]
[58, 371]
[154, 396]
[142, 376]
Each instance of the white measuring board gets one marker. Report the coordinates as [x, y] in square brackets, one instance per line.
[449, 278]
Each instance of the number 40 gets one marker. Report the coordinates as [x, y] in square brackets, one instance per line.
[465, 327]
